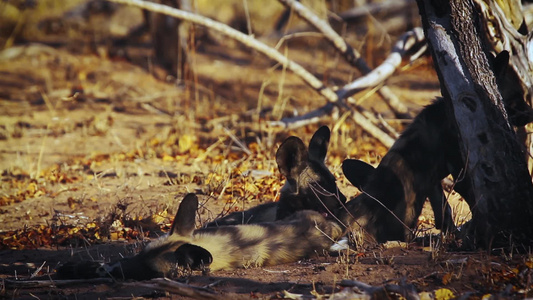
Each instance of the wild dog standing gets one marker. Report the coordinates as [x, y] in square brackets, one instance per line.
[309, 184]
[225, 247]
[394, 193]
[426, 152]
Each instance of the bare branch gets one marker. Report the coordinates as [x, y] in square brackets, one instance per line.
[270, 52]
[249, 41]
[167, 285]
[311, 117]
[28, 284]
[352, 56]
[408, 291]
[409, 40]
[373, 130]
[315, 115]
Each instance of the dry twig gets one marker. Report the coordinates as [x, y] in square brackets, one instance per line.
[167, 285]
[27, 284]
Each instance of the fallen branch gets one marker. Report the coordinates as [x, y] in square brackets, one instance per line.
[350, 54]
[369, 127]
[171, 286]
[407, 291]
[410, 40]
[315, 116]
[247, 40]
[28, 284]
[353, 289]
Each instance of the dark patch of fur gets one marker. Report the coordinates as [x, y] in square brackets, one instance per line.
[193, 257]
[262, 213]
[77, 269]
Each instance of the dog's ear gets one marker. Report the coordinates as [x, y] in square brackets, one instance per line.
[519, 112]
[501, 63]
[318, 146]
[357, 171]
[292, 157]
[183, 224]
[192, 256]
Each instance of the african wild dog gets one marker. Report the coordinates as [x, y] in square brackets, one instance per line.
[407, 174]
[226, 247]
[309, 184]
[426, 152]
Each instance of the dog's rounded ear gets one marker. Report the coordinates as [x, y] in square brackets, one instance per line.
[192, 256]
[292, 157]
[183, 224]
[318, 146]
[357, 171]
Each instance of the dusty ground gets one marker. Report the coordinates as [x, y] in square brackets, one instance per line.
[96, 152]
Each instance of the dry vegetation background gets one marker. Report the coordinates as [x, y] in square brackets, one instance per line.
[98, 146]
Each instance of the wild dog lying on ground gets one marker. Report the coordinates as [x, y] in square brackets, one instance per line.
[225, 247]
[309, 184]
[427, 151]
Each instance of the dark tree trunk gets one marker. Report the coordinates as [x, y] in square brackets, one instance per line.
[503, 210]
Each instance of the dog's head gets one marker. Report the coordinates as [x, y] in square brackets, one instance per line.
[163, 256]
[309, 183]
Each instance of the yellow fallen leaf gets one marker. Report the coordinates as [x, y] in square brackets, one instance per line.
[167, 157]
[444, 294]
[186, 142]
[114, 236]
[160, 217]
[91, 225]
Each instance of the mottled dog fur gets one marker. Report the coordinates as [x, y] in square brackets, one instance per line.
[427, 151]
[225, 247]
[309, 184]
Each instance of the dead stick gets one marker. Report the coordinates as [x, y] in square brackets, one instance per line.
[175, 287]
[26, 284]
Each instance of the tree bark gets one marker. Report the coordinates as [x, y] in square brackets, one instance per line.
[503, 189]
